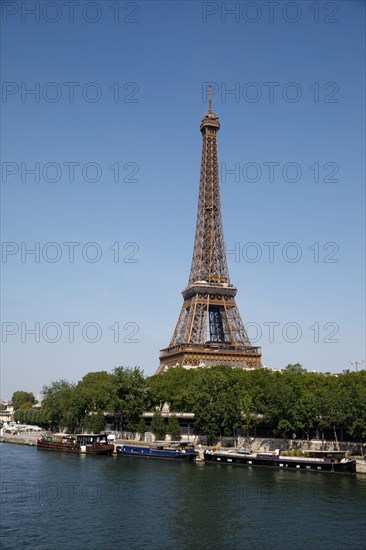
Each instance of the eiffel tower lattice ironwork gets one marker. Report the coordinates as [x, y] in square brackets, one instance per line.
[209, 330]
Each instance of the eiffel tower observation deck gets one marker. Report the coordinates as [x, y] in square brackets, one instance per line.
[209, 330]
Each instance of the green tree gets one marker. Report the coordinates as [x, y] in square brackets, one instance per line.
[141, 427]
[94, 422]
[96, 392]
[131, 391]
[176, 386]
[280, 408]
[32, 416]
[306, 412]
[333, 406]
[249, 417]
[158, 426]
[20, 397]
[26, 405]
[59, 405]
[223, 400]
[353, 387]
[217, 403]
[295, 368]
[92, 396]
[173, 428]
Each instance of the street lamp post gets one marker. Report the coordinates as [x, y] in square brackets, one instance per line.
[356, 362]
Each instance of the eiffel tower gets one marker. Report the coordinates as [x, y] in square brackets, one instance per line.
[209, 330]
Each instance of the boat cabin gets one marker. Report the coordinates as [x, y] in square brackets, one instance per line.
[91, 439]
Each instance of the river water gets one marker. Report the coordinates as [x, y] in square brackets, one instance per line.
[63, 501]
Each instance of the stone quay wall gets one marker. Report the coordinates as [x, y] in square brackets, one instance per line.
[21, 439]
[271, 444]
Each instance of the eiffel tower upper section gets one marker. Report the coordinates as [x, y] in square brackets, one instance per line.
[209, 256]
[209, 330]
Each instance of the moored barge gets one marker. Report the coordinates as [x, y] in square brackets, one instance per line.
[83, 443]
[94, 443]
[168, 452]
[275, 460]
[59, 442]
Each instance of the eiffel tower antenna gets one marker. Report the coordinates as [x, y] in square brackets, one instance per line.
[209, 330]
[210, 98]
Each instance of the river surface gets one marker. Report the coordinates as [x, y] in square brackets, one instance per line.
[54, 500]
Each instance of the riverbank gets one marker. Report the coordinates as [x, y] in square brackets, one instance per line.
[20, 439]
[30, 439]
[271, 444]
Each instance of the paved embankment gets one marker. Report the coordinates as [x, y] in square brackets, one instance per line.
[21, 439]
[271, 444]
[360, 466]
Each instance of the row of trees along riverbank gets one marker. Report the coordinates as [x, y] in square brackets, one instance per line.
[225, 401]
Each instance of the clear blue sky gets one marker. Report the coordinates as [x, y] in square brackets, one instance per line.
[312, 115]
